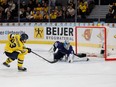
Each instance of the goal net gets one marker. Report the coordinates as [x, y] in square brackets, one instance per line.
[96, 42]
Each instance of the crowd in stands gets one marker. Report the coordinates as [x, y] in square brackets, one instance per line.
[8, 10]
[39, 10]
[112, 11]
[45, 10]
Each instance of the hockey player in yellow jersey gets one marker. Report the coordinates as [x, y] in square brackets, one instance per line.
[15, 49]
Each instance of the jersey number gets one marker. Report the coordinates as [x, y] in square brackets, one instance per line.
[12, 44]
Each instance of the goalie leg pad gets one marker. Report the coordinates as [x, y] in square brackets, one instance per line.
[58, 55]
[70, 58]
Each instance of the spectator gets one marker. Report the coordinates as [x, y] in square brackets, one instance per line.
[38, 16]
[43, 2]
[23, 5]
[59, 16]
[42, 11]
[53, 3]
[53, 15]
[83, 9]
[9, 16]
[9, 13]
[38, 8]
[12, 5]
[28, 13]
[33, 12]
[22, 13]
[64, 11]
[71, 12]
[114, 8]
[31, 5]
[112, 11]
[115, 16]
[4, 5]
[46, 15]
[71, 3]
[45, 7]
[1, 13]
[109, 15]
[56, 10]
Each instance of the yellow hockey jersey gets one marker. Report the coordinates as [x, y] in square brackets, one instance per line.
[14, 44]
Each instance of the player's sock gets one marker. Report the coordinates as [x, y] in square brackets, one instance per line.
[20, 63]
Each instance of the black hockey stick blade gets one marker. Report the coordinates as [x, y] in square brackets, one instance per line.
[43, 58]
[81, 55]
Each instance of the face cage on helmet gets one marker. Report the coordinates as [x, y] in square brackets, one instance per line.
[66, 46]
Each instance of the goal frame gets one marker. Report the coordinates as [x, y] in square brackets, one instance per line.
[105, 40]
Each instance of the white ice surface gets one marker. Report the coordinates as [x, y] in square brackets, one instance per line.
[94, 73]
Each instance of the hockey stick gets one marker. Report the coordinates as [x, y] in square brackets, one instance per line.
[51, 49]
[42, 50]
[43, 58]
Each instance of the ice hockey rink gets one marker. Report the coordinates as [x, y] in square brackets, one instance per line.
[93, 73]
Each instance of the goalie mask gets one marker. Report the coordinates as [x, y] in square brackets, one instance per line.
[66, 44]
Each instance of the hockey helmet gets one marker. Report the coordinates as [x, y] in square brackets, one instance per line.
[66, 44]
[24, 36]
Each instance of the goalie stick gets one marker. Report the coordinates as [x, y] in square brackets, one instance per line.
[43, 58]
[79, 55]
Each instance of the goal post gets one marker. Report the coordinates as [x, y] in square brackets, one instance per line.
[96, 41]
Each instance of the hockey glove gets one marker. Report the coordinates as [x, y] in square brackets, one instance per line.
[29, 50]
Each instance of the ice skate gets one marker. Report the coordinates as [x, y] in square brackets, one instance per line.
[22, 69]
[5, 64]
